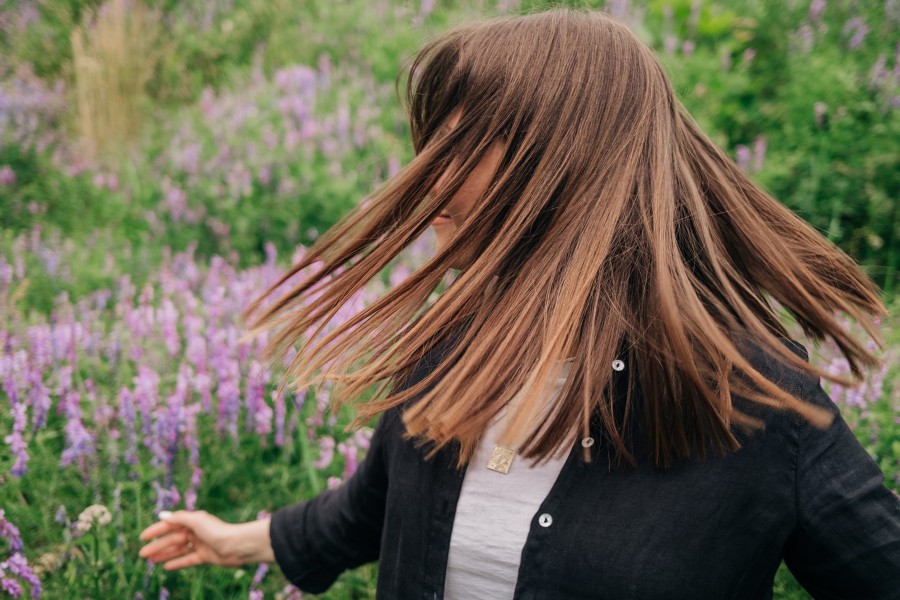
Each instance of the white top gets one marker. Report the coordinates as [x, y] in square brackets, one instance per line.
[493, 517]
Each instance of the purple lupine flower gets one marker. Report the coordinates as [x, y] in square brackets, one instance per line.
[298, 78]
[892, 10]
[6, 274]
[18, 566]
[203, 386]
[259, 414]
[79, 442]
[103, 412]
[10, 533]
[393, 166]
[804, 38]
[263, 568]
[167, 425]
[146, 397]
[254, 390]
[167, 317]
[291, 592]
[856, 396]
[60, 339]
[16, 440]
[876, 386]
[349, 451]
[190, 496]
[298, 400]
[816, 8]
[333, 483]
[837, 366]
[128, 415]
[398, 275]
[857, 29]
[140, 321]
[195, 349]
[264, 175]
[271, 253]
[280, 412]
[190, 437]
[39, 399]
[326, 452]
[759, 152]
[228, 392]
[190, 158]
[322, 397]
[878, 74]
[742, 157]
[166, 498]
[363, 437]
[7, 175]
[263, 418]
[10, 586]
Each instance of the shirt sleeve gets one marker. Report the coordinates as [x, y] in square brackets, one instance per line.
[316, 540]
[846, 541]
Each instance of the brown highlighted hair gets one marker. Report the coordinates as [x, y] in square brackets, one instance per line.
[612, 221]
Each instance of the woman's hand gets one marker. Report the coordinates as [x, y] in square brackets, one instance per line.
[191, 538]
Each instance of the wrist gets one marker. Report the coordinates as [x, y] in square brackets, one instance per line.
[250, 542]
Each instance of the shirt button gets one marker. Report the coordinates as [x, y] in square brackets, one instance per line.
[587, 442]
[618, 365]
[545, 520]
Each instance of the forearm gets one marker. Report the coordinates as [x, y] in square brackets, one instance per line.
[251, 543]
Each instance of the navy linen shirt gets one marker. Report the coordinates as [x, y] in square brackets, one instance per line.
[713, 530]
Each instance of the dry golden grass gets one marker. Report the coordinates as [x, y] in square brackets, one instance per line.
[114, 55]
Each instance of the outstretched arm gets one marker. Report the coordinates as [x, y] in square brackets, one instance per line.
[316, 540]
[846, 543]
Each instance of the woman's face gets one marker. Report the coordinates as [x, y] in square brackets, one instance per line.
[453, 215]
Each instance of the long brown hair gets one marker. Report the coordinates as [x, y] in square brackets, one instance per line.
[612, 222]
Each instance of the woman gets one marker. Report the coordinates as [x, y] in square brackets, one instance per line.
[604, 402]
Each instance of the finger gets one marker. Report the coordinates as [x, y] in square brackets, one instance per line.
[188, 560]
[168, 538]
[153, 549]
[159, 528]
[171, 540]
[170, 553]
[183, 518]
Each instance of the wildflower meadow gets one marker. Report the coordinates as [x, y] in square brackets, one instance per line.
[163, 162]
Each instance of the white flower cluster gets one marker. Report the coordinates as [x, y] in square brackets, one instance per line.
[94, 512]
